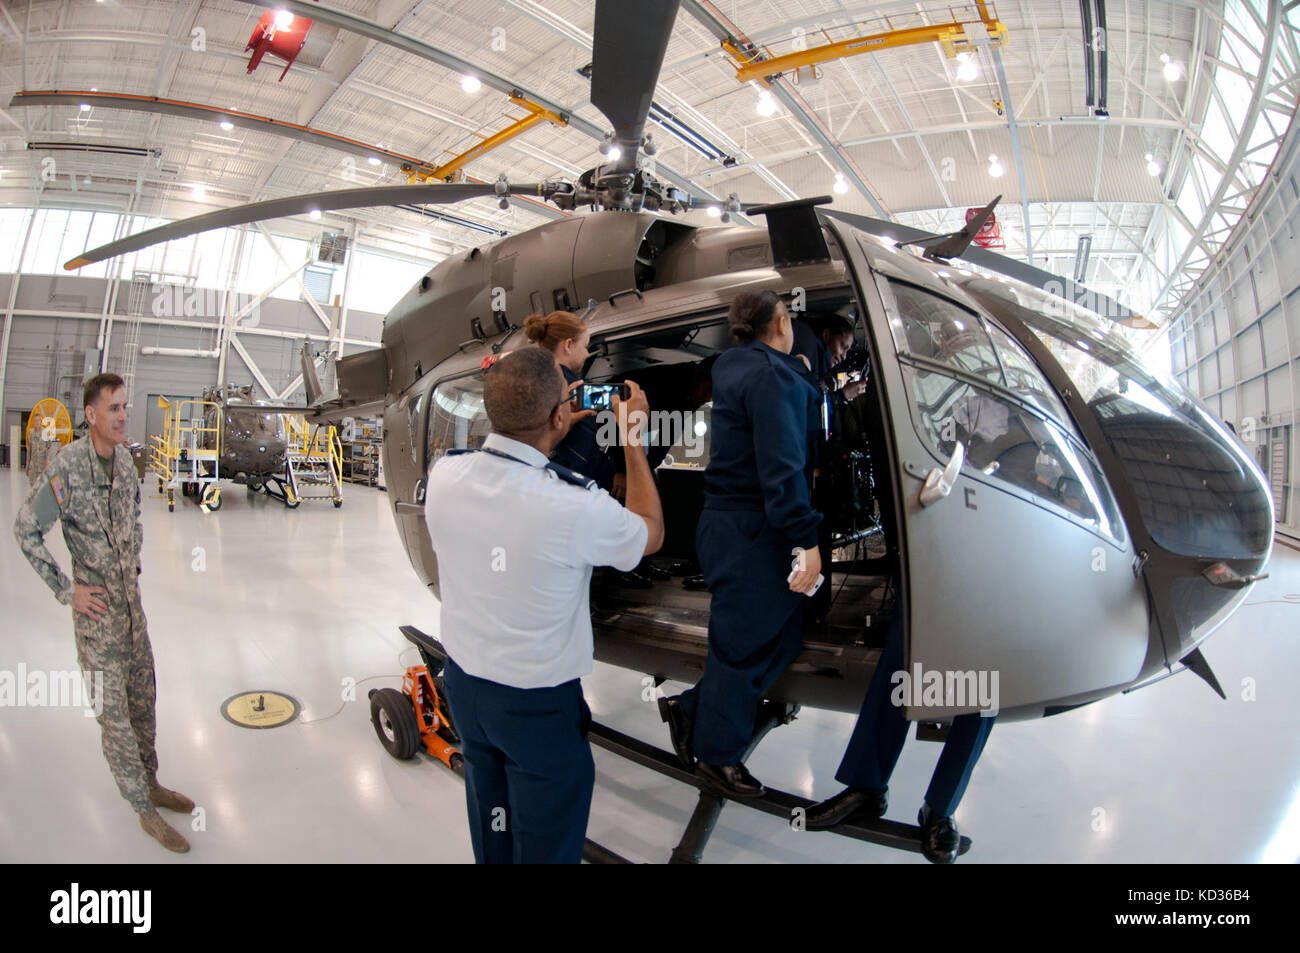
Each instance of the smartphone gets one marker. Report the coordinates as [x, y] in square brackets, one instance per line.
[599, 396]
[794, 571]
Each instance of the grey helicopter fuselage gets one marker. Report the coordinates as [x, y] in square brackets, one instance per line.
[1081, 547]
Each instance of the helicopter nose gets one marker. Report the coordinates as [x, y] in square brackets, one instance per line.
[1209, 510]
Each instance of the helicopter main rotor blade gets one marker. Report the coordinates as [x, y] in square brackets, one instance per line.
[630, 38]
[438, 193]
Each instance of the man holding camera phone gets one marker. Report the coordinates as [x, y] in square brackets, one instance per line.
[516, 539]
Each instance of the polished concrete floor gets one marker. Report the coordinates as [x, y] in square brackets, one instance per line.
[300, 601]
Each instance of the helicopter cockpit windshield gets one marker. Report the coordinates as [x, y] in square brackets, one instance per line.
[1197, 490]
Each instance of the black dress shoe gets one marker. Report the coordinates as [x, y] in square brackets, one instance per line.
[695, 583]
[939, 837]
[651, 571]
[634, 580]
[849, 804]
[731, 780]
[681, 727]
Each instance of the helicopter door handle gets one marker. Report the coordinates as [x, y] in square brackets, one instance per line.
[939, 483]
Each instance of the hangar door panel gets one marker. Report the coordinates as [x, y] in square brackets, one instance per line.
[1021, 591]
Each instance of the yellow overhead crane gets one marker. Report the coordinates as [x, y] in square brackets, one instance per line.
[951, 35]
[451, 171]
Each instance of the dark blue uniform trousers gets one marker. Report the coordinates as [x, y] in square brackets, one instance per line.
[528, 768]
[878, 738]
[755, 629]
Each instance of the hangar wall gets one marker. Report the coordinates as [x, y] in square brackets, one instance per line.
[56, 328]
[1236, 344]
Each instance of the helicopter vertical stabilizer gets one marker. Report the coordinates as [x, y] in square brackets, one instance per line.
[310, 382]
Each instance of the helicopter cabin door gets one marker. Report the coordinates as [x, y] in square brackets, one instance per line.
[1020, 590]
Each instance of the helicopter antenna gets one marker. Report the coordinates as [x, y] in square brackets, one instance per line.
[954, 244]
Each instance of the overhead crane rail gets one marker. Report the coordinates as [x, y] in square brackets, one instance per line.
[955, 36]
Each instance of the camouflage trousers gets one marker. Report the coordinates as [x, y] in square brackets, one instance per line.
[126, 717]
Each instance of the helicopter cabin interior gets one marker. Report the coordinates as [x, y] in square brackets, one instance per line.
[672, 362]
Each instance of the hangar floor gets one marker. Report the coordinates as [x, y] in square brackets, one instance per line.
[297, 601]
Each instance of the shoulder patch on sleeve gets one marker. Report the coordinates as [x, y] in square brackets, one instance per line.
[60, 492]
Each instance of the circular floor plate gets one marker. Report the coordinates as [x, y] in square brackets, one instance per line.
[260, 709]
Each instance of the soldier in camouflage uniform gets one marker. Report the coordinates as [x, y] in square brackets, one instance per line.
[39, 454]
[97, 497]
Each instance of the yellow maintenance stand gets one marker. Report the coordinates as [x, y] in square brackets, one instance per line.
[185, 454]
[314, 460]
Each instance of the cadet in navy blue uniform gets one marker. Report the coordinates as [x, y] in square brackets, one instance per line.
[757, 509]
[516, 539]
[822, 347]
[873, 750]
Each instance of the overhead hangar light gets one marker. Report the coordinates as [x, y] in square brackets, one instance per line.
[1173, 70]
[374, 160]
[314, 213]
[1153, 166]
[766, 104]
[85, 107]
[995, 167]
[226, 124]
[713, 211]
[199, 192]
[841, 186]
[471, 83]
[283, 19]
[967, 68]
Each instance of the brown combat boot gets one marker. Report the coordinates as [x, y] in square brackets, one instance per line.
[160, 796]
[154, 825]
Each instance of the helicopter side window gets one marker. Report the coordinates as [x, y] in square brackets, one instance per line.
[1025, 379]
[970, 383]
[1010, 443]
[457, 417]
[929, 327]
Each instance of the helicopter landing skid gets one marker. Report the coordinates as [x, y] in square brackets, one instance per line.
[695, 837]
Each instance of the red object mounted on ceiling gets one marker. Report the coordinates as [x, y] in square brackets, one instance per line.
[990, 236]
[279, 33]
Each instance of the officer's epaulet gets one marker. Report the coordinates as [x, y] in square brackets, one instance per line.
[571, 476]
[453, 453]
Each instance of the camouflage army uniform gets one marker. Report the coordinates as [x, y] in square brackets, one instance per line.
[103, 533]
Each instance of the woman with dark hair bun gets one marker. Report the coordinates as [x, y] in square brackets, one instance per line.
[757, 515]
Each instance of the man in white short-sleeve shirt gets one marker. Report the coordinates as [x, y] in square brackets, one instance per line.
[516, 540]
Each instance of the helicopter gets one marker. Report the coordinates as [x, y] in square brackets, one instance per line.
[253, 445]
[1015, 480]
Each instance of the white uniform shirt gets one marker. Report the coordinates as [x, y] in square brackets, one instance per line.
[515, 547]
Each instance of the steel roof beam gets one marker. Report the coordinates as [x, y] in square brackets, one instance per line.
[723, 29]
[375, 31]
[1008, 107]
[1244, 132]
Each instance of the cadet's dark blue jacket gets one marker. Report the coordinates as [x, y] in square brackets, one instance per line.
[763, 443]
[580, 450]
[807, 342]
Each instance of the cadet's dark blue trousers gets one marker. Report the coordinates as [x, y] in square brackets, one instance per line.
[878, 738]
[755, 629]
[528, 768]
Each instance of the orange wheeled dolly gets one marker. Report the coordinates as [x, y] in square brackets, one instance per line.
[415, 715]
